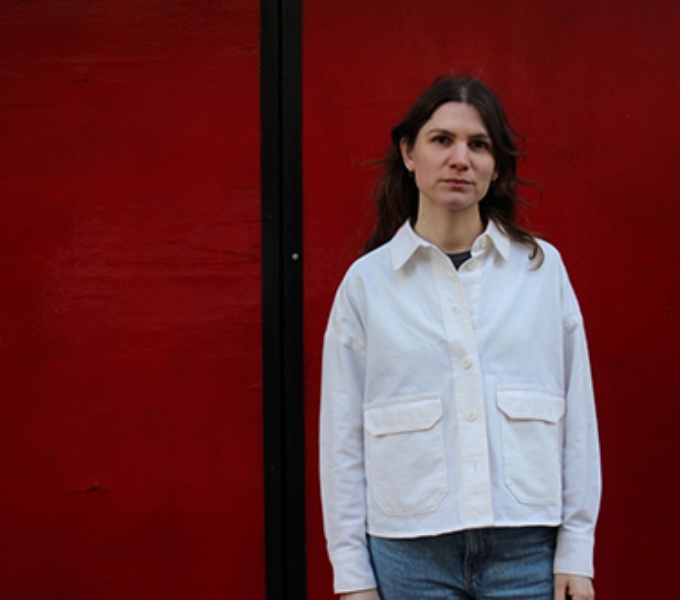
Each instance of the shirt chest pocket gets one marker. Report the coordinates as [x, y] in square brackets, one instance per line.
[405, 458]
[532, 442]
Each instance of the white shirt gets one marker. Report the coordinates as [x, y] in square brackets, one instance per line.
[454, 400]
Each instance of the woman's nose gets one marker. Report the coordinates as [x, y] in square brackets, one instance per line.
[459, 156]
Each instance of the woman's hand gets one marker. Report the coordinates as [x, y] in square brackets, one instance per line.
[574, 587]
[364, 595]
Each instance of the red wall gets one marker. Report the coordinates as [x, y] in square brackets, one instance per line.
[594, 88]
[130, 415]
[130, 411]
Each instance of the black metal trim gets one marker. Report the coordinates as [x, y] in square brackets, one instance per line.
[283, 390]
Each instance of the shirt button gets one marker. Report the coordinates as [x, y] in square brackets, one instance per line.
[471, 415]
[483, 243]
[472, 264]
[466, 362]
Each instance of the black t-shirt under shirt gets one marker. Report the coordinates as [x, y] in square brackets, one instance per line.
[459, 258]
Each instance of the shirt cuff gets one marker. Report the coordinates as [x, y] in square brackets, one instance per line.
[574, 553]
[352, 571]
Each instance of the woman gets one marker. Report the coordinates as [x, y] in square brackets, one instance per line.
[459, 450]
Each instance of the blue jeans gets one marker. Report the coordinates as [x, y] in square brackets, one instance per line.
[480, 564]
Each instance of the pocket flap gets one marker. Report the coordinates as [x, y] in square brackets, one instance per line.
[530, 404]
[401, 415]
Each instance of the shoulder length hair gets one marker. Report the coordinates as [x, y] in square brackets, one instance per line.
[396, 195]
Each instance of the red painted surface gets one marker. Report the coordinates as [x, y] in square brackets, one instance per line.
[130, 413]
[594, 88]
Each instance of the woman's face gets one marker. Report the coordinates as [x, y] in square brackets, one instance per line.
[451, 159]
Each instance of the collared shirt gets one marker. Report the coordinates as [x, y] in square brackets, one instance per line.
[454, 400]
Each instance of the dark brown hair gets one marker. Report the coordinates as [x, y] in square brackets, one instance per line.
[396, 197]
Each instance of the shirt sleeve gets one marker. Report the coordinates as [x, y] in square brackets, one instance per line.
[343, 485]
[581, 477]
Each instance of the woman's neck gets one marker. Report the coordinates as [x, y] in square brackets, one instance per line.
[451, 231]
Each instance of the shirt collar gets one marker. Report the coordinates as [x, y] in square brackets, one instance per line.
[406, 241]
[499, 240]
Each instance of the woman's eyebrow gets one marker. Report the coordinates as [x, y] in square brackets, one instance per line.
[477, 136]
[439, 131]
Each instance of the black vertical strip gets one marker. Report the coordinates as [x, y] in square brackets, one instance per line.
[281, 185]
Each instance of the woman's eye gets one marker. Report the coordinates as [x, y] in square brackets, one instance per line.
[480, 145]
[441, 139]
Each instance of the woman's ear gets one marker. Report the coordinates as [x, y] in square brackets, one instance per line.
[406, 155]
